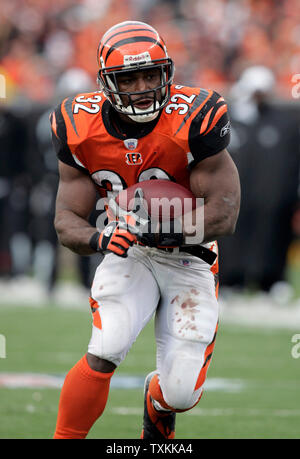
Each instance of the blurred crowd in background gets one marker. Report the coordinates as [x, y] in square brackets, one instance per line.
[210, 41]
[248, 50]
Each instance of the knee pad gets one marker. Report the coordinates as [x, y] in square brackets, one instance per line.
[156, 394]
[177, 382]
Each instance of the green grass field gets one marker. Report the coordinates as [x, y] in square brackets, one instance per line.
[50, 340]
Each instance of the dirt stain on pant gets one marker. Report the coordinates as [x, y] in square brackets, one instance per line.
[186, 315]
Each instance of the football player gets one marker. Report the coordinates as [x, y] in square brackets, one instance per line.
[142, 126]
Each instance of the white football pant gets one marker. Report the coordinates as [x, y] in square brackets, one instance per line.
[180, 290]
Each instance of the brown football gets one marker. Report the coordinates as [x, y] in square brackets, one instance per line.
[163, 199]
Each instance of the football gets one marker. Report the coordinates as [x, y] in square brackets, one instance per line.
[163, 199]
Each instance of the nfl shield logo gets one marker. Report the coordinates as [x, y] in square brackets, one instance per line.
[184, 262]
[131, 144]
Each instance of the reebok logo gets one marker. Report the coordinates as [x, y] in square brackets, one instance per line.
[225, 129]
[137, 58]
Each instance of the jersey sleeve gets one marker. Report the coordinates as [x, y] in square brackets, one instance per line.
[59, 140]
[210, 129]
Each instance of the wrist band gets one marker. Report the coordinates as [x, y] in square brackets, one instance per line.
[94, 242]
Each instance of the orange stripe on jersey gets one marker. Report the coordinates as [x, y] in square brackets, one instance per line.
[203, 96]
[205, 121]
[67, 110]
[53, 123]
[220, 112]
[96, 315]
[207, 359]
[215, 268]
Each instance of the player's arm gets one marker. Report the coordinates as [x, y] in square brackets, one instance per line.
[75, 201]
[216, 180]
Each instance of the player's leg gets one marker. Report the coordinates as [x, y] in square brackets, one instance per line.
[186, 324]
[186, 327]
[82, 400]
[121, 307]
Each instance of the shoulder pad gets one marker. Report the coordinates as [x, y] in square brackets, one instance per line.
[77, 112]
[185, 103]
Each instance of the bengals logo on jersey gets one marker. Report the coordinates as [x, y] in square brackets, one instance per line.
[134, 159]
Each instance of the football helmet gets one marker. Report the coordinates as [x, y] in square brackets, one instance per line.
[133, 46]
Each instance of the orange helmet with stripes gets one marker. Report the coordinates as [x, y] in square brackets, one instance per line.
[133, 46]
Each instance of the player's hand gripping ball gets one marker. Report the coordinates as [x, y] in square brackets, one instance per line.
[116, 237]
[156, 206]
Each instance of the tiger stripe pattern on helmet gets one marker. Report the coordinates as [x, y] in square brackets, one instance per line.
[134, 46]
[133, 36]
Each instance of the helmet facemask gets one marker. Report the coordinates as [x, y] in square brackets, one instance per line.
[108, 81]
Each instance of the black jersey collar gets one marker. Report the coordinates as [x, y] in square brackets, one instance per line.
[118, 128]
